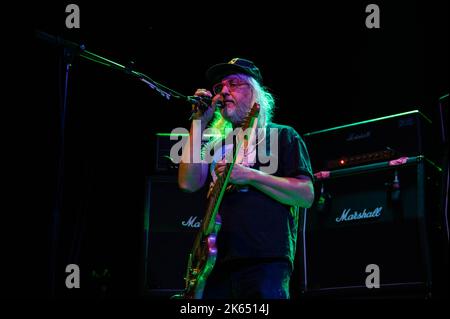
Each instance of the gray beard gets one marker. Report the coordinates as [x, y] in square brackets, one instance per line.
[237, 117]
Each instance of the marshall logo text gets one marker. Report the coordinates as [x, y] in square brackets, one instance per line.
[355, 136]
[365, 214]
[191, 222]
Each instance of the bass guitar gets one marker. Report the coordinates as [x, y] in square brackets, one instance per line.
[202, 257]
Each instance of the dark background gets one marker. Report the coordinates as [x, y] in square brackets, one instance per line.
[318, 58]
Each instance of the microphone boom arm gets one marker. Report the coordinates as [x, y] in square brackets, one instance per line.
[80, 49]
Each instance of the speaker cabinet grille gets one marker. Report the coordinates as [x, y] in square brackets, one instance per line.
[171, 221]
[361, 219]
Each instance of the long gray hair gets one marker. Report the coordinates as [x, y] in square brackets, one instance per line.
[266, 103]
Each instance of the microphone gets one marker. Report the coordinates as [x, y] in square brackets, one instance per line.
[203, 102]
[396, 188]
[197, 99]
[323, 202]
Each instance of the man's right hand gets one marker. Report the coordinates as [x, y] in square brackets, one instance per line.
[206, 115]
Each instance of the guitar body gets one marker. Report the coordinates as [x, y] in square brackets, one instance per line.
[201, 262]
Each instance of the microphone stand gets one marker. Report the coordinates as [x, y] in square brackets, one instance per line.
[71, 50]
[80, 49]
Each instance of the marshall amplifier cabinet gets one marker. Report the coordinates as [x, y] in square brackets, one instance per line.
[376, 140]
[381, 217]
[171, 221]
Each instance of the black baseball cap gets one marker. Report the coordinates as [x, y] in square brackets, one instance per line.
[237, 65]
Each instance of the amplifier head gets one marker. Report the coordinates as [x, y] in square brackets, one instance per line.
[375, 140]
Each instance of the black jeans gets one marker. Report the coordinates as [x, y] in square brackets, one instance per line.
[256, 279]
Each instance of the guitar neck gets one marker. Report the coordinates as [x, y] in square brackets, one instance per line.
[217, 193]
[222, 181]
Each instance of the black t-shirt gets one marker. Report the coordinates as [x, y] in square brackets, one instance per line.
[253, 224]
